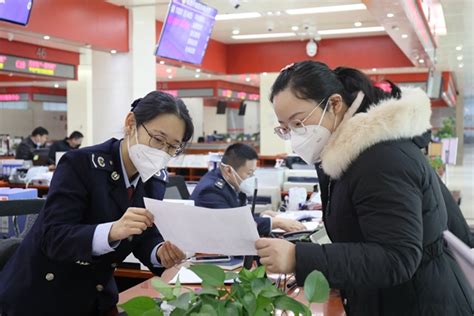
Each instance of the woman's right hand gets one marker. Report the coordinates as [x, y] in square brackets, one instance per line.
[133, 222]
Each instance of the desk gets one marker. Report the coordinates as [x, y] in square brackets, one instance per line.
[42, 189]
[333, 307]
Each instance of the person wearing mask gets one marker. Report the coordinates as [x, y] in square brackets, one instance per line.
[74, 141]
[94, 217]
[383, 207]
[37, 140]
[232, 183]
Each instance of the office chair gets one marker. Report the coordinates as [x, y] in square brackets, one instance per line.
[15, 208]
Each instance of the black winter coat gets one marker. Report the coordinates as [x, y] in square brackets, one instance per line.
[385, 214]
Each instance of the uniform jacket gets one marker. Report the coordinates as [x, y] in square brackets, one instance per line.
[213, 191]
[53, 271]
[25, 149]
[385, 214]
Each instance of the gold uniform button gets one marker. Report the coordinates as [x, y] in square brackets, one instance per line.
[101, 161]
[99, 287]
[49, 276]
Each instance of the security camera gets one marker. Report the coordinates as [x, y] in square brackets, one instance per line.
[270, 26]
[235, 3]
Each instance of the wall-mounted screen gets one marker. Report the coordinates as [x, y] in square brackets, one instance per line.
[186, 31]
[15, 11]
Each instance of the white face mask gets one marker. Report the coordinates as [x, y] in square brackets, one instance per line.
[246, 186]
[148, 161]
[310, 144]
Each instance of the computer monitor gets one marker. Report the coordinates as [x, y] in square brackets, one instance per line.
[242, 108]
[41, 157]
[176, 188]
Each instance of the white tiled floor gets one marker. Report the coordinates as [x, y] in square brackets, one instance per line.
[462, 178]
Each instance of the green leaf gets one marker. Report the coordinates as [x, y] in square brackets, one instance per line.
[209, 290]
[316, 287]
[258, 285]
[229, 275]
[177, 287]
[153, 312]
[207, 310]
[286, 303]
[210, 274]
[245, 275]
[250, 303]
[178, 312]
[271, 293]
[163, 288]
[139, 305]
[233, 309]
[264, 306]
[259, 272]
[182, 301]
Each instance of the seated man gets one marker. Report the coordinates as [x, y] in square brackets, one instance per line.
[36, 140]
[74, 141]
[228, 186]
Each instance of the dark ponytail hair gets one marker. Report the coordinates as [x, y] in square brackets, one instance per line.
[157, 103]
[313, 80]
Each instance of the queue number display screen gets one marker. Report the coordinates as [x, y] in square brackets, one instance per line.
[15, 11]
[186, 31]
[36, 67]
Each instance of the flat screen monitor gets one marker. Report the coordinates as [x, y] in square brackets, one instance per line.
[15, 11]
[186, 31]
[221, 106]
[242, 108]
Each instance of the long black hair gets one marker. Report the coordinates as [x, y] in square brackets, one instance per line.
[313, 80]
[157, 103]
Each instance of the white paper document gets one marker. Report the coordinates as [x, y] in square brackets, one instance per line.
[229, 231]
[187, 276]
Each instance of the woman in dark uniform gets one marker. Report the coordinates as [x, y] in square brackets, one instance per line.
[382, 204]
[94, 217]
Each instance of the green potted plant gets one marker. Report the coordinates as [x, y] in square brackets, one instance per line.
[438, 165]
[448, 130]
[252, 293]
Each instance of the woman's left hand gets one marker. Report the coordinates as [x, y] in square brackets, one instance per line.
[277, 255]
[170, 255]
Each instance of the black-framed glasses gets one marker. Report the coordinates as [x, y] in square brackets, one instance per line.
[297, 126]
[159, 142]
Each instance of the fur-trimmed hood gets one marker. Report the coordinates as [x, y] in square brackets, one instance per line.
[391, 119]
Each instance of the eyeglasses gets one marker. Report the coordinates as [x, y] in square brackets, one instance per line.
[159, 142]
[297, 126]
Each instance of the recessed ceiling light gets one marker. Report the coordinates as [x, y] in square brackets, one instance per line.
[247, 79]
[235, 31]
[404, 35]
[46, 37]
[10, 75]
[390, 15]
[113, 51]
[461, 65]
[352, 30]
[278, 13]
[56, 85]
[168, 70]
[162, 62]
[264, 73]
[209, 75]
[295, 28]
[459, 57]
[237, 16]
[326, 9]
[170, 77]
[374, 69]
[421, 61]
[269, 13]
[258, 36]
[197, 75]
[198, 70]
[459, 47]
[358, 24]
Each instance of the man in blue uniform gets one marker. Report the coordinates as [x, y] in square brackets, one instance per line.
[229, 185]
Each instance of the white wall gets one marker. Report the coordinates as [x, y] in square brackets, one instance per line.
[20, 123]
[252, 117]
[196, 110]
[469, 119]
[214, 122]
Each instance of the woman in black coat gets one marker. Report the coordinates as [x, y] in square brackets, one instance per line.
[383, 206]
